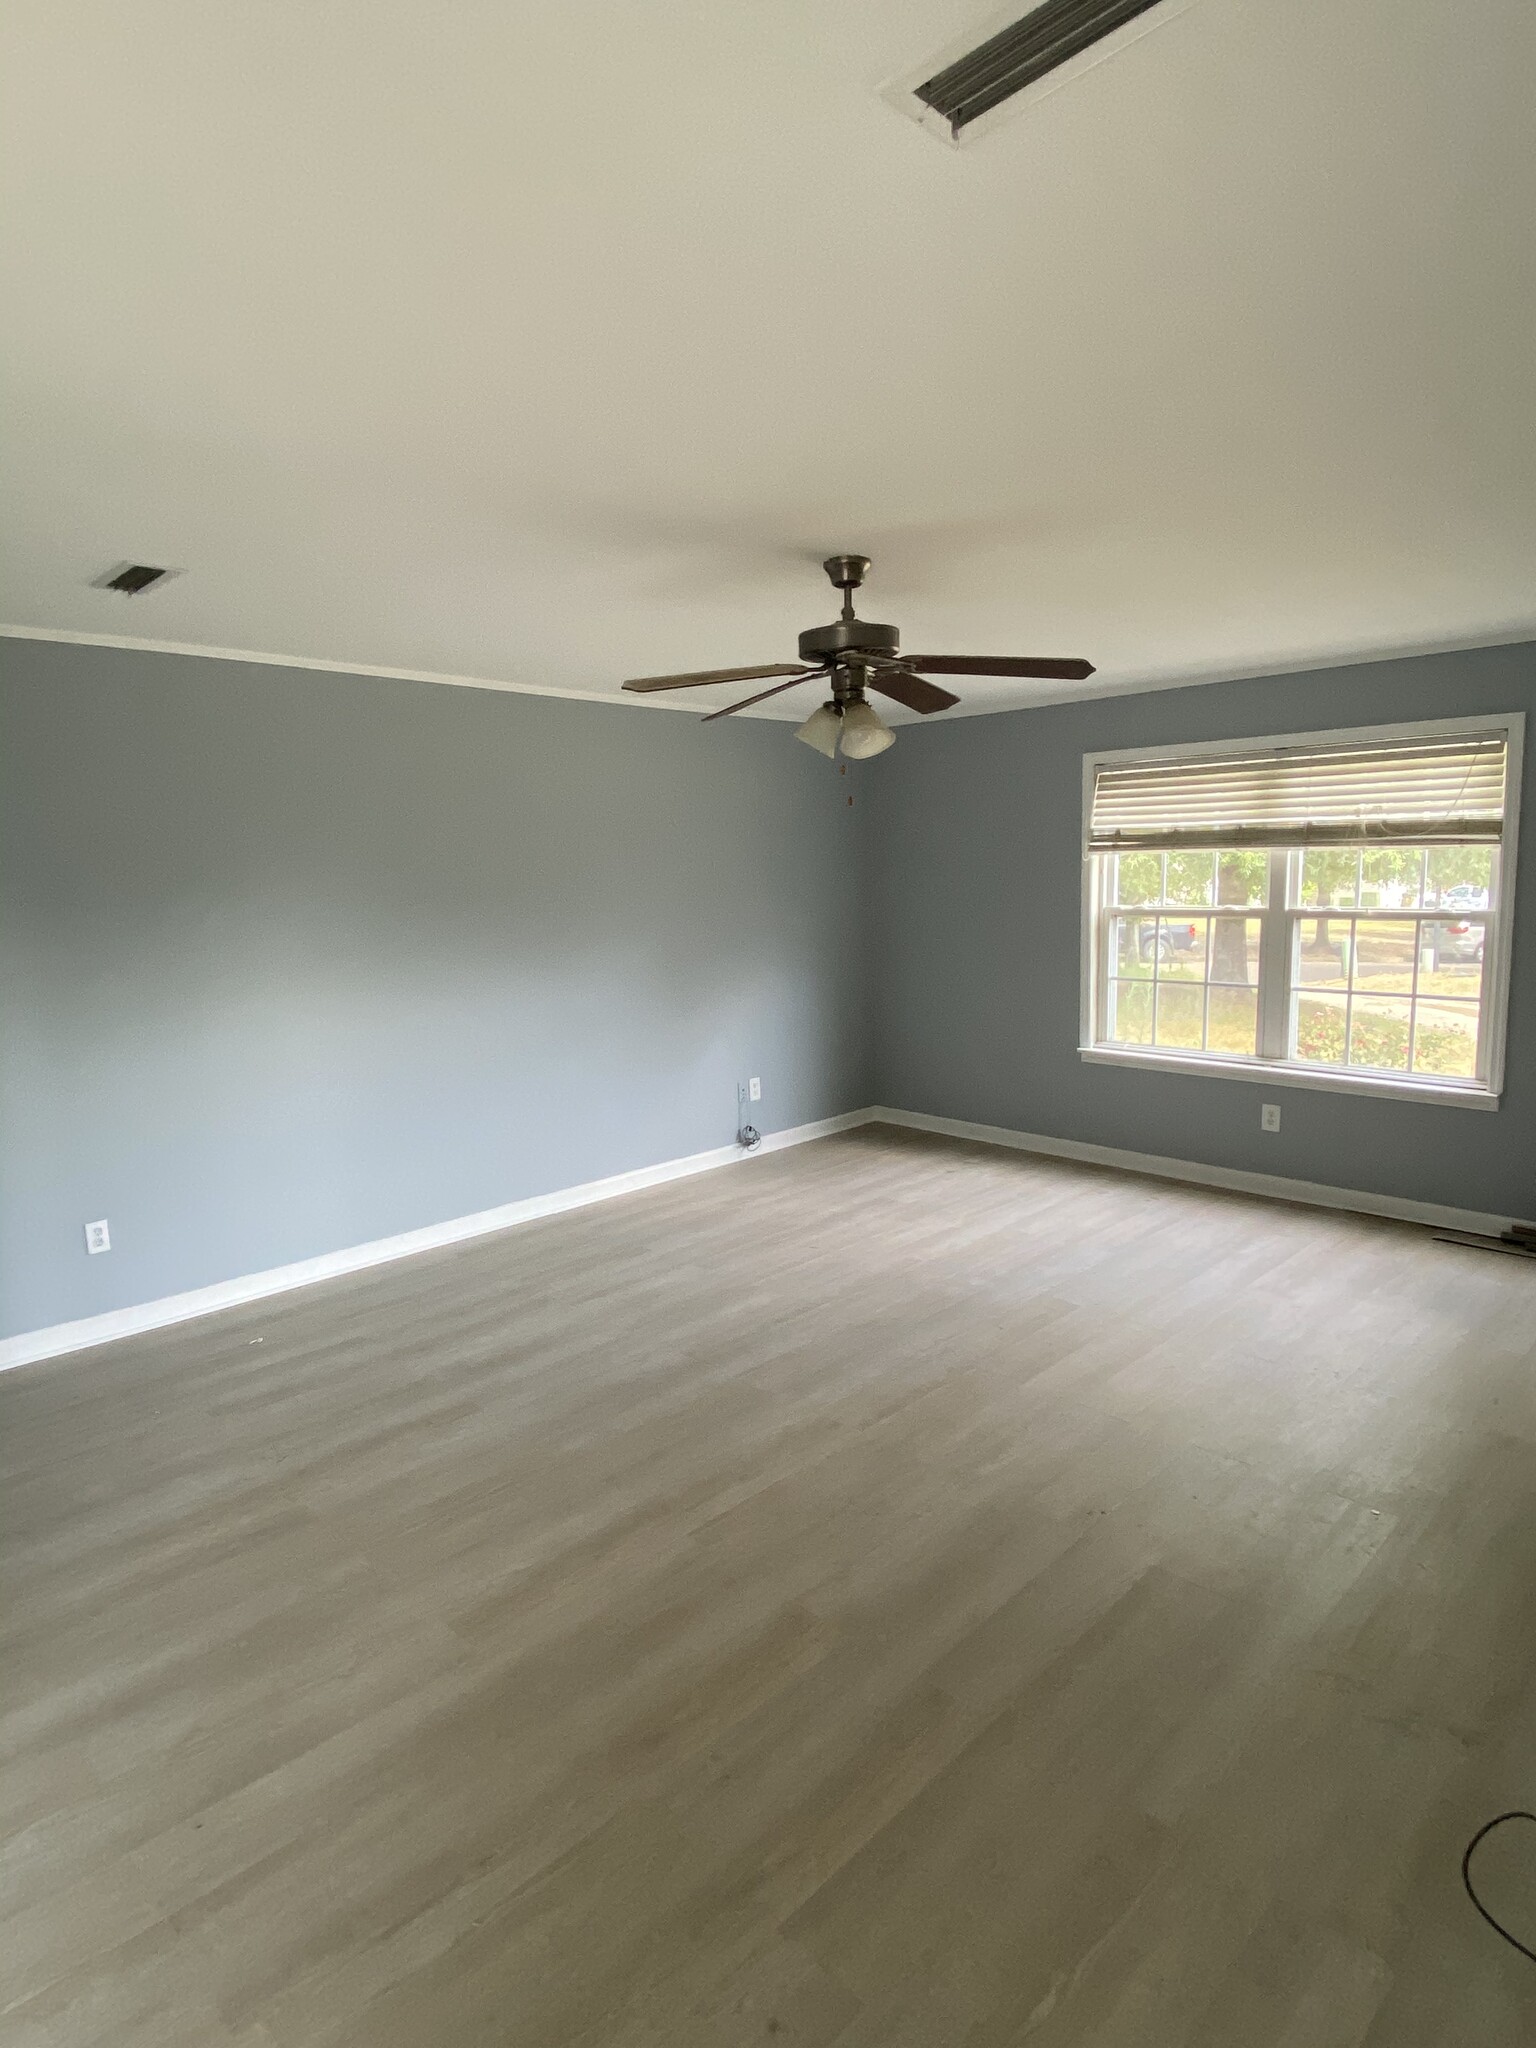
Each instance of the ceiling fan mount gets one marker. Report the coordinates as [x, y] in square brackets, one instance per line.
[846, 571]
[848, 637]
[852, 655]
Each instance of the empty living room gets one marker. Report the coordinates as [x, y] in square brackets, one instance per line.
[768, 1025]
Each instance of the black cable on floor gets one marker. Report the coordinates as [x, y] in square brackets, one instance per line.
[1466, 1877]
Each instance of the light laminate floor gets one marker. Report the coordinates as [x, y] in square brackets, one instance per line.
[890, 1593]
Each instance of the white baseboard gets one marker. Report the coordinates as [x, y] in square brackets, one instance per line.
[59, 1338]
[1315, 1194]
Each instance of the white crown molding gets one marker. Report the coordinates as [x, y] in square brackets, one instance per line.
[134, 644]
[59, 1338]
[1135, 686]
[1236, 1180]
[1163, 680]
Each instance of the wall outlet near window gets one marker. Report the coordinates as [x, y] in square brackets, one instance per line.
[97, 1237]
[1269, 1117]
[754, 1090]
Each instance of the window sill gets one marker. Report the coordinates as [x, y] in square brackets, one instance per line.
[1284, 1074]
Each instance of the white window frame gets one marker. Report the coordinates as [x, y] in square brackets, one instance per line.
[1275, 989]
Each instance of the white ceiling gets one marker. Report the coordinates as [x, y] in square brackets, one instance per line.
[548, 344]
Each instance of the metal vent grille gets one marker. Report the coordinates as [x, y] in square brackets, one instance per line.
[1016, 56]
[133, 577]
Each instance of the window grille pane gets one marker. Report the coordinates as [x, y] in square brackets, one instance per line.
[1232, 1025]
[1322, 1029]
[1235, 950]
[1190, 879]
[1461, 876]
[1242, 877]
[1323, 954]
[1330, 877]
[1181, 1015]
[1451, 956]
[1378, 1033]
[1383, 955]
[1390, 877]
[1445, 1038]
[1133, 946]
[1138, 878]
[1182, 943]
[1130, 1012]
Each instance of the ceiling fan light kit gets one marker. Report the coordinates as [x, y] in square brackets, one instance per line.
[853, 655]
[865, 732]
[822, 730]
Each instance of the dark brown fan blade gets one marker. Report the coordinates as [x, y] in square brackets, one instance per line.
[709, 715]
[718, 675]
[999, 665]
[909, 690]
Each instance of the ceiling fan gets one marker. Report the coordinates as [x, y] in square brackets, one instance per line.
[854, 656]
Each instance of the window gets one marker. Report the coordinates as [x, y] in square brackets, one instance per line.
[1331, 909]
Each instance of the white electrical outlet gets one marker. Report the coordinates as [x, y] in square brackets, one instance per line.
[754, 1089]
[1269, 1117]
[97, 1237]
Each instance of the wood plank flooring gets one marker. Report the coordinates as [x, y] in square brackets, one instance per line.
[893, 1592]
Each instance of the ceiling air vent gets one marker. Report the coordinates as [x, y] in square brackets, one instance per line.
[132, 578]
[949, 94]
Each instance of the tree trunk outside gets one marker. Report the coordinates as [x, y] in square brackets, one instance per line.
[1229, 950]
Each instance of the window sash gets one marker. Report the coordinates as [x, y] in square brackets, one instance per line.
[1279, 985]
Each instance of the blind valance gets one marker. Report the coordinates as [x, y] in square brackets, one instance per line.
[1405, 792]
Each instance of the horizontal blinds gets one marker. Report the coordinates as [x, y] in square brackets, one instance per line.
[1410, 792]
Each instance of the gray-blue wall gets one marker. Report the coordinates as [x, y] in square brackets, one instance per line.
[976, 829]
[291, 961]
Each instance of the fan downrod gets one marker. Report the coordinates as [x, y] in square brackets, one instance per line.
[850, 634]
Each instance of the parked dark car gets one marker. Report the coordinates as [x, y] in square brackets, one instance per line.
[1167, 937]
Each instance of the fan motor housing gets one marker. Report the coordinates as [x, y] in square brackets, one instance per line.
[848, 636]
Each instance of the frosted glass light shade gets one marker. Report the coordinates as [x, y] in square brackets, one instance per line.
[865, 733]
[820, 731]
